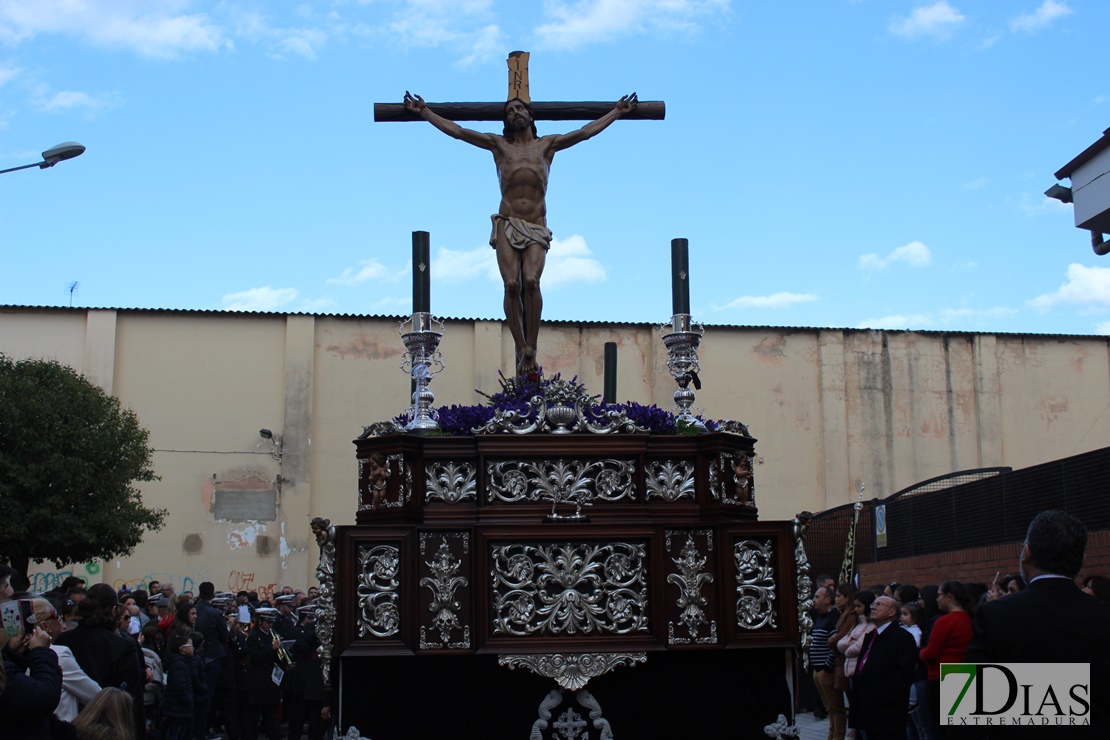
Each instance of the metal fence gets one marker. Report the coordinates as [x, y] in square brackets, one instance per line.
[969, 508]
[997, 507]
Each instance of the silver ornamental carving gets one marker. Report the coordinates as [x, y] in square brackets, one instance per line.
[755, 585]
[564, 407]
[805, 584]
[690, 579]
[397, 462]
[722, 471]
[381, 429]
[443, 583]
[781, 729]
[572, 671]
[569, 721]
[325, 601]
[575, 482]
[733, 427]
[669, 480]
[569, 588]
[378, 597]
[450, 482]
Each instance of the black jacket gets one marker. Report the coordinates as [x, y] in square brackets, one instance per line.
[884, 674]
[29, 701]
[1051, 621]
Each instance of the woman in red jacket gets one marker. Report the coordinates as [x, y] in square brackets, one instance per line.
[950, 635]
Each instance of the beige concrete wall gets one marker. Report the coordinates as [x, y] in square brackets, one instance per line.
[831, 408]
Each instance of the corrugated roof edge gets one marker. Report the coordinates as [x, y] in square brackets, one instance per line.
[558, 322]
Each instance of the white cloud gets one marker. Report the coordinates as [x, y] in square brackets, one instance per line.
[1044, 15]
[74, 99]
[152, 28]
[976, 184]
[259, 299]
[1086, 287]
[914, 254]
[461, 24]
[1103, 328]
[366, 270]
[949, 315]
[7, 74]
[938, 20]
[1039, 205]
[898, 321]
[574, 24]
[464, 265]
[302, 41]
[568, 261]
[775, 300]
[571, 261]
[317, 305]
[486, 44]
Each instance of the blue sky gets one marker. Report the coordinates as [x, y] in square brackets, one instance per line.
[843, 163]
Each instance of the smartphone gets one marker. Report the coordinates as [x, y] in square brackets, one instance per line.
[27, 615]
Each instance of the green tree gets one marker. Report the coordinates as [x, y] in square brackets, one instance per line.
[69, 457]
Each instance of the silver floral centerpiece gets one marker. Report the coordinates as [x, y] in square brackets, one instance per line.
[557, 406]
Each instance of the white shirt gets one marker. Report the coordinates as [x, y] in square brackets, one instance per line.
[76, 685]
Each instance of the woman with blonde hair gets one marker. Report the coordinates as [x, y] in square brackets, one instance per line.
[110, 716]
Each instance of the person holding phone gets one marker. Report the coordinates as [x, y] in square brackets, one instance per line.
[34, 685]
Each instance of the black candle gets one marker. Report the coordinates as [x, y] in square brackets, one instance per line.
[680, 276]
[609, 391]
[421, 273]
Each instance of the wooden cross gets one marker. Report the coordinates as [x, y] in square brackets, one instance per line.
[646, 110]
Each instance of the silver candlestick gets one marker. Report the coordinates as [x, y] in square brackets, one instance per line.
[682, 342]
[422, 362]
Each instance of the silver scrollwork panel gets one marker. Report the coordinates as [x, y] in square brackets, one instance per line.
[755, 584]
[569, 588]
[576, 482]
[379, 613]
[690, 577]
[450, 482]
[669, 480]
[443, 583]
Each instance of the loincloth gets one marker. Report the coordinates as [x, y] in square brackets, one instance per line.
[519, 233]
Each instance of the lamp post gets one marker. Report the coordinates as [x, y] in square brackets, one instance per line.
[51, 157]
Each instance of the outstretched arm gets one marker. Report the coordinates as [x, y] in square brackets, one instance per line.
[593, 128]
[416, 104]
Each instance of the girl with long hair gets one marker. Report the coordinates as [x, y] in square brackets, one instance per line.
[109, 716]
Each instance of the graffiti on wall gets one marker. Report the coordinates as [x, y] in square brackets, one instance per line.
[238, 580]
[92, 573]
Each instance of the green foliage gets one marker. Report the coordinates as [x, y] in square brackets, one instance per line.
[69, 455]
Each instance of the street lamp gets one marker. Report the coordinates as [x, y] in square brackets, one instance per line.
[51, 157]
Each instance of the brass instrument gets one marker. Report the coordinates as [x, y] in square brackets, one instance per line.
[284, 659]
[846, 568]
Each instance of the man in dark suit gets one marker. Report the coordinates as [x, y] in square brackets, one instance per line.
[1051, 621]
[884, 674]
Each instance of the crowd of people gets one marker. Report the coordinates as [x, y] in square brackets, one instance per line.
[876, 653]
[151, 664]
[96, 664]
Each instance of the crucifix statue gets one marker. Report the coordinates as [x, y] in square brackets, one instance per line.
[523, 158]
